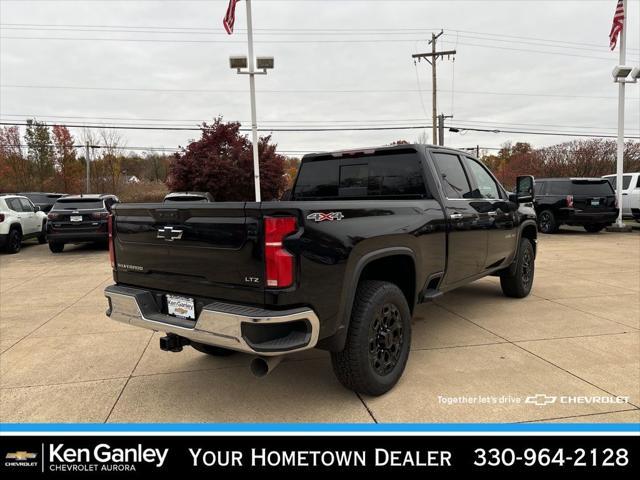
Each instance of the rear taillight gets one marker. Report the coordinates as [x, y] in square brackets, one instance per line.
[570, 201]
[279, 262]
[112, 253]
[100, 215]
[53, 216]
[1, 217]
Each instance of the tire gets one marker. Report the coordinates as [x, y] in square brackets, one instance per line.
[370, 362]
[547, 222]
[14, 241]
[211, 350]
[519, 283]
[593, 227]
[56, 247]
[42, 238]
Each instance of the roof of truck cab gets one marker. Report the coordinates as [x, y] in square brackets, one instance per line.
[388, 148]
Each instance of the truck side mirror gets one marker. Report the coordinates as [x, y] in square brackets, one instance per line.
[524, 189]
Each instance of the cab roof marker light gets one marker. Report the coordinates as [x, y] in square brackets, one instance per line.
[353, 152]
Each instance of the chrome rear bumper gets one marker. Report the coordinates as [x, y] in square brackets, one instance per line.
[220, 324]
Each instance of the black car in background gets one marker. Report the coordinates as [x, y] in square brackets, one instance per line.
[586, 202]
[44, 200]
[79, 219]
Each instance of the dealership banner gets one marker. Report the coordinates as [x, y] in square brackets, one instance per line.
[64, 455]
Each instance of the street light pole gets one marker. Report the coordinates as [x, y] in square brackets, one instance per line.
[621, 92]
[254, 121]
[87, 154]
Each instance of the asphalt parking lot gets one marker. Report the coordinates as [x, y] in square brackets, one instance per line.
[575, 338]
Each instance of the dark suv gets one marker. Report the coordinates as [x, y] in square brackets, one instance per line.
[79, 219]
[586, 202]
[43, 200]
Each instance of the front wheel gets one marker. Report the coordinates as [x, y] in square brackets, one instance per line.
[378, 341]
[517, 283]
[593, 227]
[42, 237]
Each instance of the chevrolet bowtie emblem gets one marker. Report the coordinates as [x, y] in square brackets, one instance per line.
[540, 399]
[20, 455]
[169, 234]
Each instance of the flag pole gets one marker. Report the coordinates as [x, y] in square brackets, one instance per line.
[621, 92]
[254, 121]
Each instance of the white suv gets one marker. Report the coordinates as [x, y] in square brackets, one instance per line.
[630, 194]
[20, 219]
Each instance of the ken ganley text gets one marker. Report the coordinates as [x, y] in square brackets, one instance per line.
[262, 457]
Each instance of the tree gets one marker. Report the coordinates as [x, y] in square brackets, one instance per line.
[40, 152]
[68, 168]
[221, 163]
[14, 167]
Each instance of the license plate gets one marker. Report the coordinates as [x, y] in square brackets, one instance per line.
[76, 218]
[182, 307]
[595, 202]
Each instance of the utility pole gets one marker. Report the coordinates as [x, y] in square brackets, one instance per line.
[432, 59]
[441, 118]
[87, 156]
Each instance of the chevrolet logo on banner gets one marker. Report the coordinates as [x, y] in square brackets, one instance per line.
[21, 456]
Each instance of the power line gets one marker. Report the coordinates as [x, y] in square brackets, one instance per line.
[301, 91]
[342, 129]
[316, 123]
[296, 42]
[601, 48]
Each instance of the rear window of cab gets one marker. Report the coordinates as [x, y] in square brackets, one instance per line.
[78, 204]
[393, 175]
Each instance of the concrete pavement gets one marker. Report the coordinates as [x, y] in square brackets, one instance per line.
[477, 356]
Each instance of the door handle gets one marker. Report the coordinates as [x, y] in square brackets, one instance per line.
[456, 216]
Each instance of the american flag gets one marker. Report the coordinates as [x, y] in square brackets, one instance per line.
[230, 17]
[616, 28]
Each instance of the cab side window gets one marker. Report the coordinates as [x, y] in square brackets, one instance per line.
[487, 187]
[452, 176]
[538, 188]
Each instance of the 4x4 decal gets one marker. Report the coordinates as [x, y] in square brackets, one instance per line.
[325, 217]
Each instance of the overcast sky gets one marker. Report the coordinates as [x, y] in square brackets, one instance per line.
[521, 65]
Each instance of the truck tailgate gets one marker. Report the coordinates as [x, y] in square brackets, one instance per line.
[209, 250]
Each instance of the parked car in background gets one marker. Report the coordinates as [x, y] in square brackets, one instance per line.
[630, 194]
[365, 237]
[43, 200]
[20, 220]
[189, 197]
[585, 202]
[79, 219]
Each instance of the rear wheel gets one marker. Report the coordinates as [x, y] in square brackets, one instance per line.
[518, 282]
[211, 350]
[547, 222]
[14, 241]
[378, 340]
[593, 227]
[56, 247]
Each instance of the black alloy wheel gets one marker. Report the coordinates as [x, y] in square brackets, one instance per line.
[385, 339]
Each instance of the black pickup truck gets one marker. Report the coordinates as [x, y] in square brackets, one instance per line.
[365, 236]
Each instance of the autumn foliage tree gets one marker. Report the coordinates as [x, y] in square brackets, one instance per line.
[68, 168]
[221, 162]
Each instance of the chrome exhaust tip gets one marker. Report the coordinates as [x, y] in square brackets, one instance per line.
[263, 366]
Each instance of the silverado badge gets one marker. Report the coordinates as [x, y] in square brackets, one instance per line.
[325, 217]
